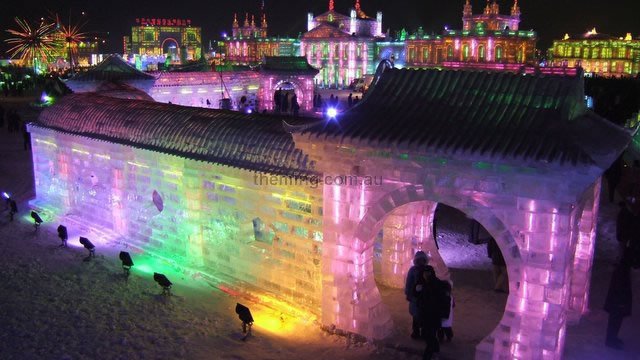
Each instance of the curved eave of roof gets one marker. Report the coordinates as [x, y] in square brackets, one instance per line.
[104, 71]
[253, 142]
[499, 117]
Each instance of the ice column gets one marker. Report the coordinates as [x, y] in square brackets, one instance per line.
[583, 258]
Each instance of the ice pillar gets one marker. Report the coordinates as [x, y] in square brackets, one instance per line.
[583, 256]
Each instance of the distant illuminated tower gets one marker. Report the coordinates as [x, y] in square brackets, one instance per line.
[250, 43]
[342, 47]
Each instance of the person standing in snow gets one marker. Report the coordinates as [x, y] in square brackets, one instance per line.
[619, 301]
[414, 277]
[625, 227]
[430, 294]
[446, 326]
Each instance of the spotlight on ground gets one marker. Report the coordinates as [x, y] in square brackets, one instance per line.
[63, 235]
[332, 113]
[89, 246]
[247, 320]
[164, 282]
[127, 263]
[37, 220]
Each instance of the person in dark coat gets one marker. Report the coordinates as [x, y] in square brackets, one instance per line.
[430, 294]
[625, 227]
[26, 136]
[13, 208]
[619, 300]
[295, 107]
[613, 176]
[350, 100]
[414, 277]
[277, 100]
[501, 282]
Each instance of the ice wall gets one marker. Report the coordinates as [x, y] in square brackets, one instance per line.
[195, 88]
[256, 235]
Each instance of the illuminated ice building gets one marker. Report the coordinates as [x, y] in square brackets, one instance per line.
[599, 54]
[342, 47]
[157, 43]
[249, 43]
[245, 90]
[487, 40]
[289, 213]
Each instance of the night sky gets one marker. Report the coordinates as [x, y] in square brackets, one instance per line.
[550, 18]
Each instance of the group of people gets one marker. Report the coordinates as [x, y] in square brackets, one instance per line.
[286, 101]
[430, 304]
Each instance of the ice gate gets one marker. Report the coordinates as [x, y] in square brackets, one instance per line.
[240, 198]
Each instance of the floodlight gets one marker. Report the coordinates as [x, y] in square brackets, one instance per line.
[37, 220]
[89, 246]
[6, 195]
[332, 112]
[127, 263]
[164, 282]
[63, 235]
[245, 316]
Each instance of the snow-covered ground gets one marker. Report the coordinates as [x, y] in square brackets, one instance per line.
[54, 305]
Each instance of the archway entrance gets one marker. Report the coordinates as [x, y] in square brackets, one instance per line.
[409, 228]
[171, 49]
[285, 93]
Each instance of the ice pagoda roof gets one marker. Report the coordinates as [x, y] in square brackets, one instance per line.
[295, 64]
[250, 141]
[113, 68]
[497, 116]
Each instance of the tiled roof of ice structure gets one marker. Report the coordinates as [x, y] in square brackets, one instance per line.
[254, 142]
[296, 64]
[113, 68]
[479, 114]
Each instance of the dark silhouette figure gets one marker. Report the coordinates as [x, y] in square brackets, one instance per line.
[613, 176]
[446, 329]
[356, 100]
[431, 309]
[499, 267]
[618, 302]
[350, 100]
[625, 227]
[26, 136]
[414, 277]
[294, 105]
[277, 99]
[13, 208]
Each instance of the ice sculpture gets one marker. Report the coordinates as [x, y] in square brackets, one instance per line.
[262, 210]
